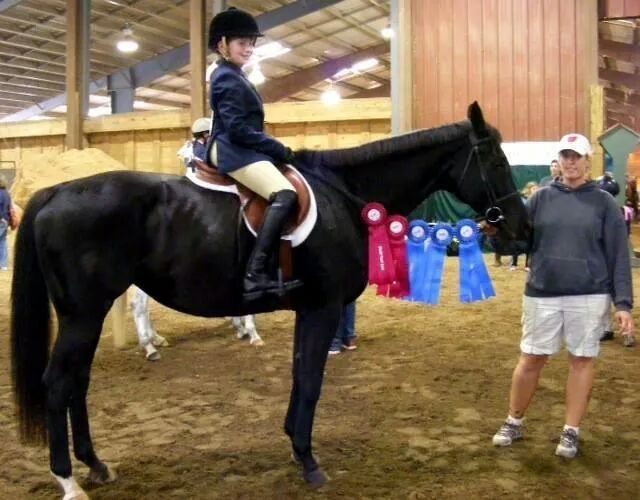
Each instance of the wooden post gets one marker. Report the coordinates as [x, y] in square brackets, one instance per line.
[198, 44]
[119, 324]
[401, 67]
[596, 105]
[77, 77]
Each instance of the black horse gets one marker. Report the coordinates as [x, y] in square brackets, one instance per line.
[82, 243]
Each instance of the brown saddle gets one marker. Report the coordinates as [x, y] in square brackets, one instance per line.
[254, 205]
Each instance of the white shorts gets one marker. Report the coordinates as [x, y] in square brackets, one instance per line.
[578, 319]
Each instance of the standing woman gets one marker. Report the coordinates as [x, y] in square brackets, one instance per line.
[240, 148]
[5, 216]
[579, 263]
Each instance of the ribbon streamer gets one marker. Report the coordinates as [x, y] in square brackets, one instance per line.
[416, 254]
[381, 268]
[475, 282]
[397, 227]
[441, 236]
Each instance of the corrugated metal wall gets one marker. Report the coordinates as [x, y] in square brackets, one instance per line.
[527, 62]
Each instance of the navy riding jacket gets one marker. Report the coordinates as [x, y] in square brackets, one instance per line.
[238, 123]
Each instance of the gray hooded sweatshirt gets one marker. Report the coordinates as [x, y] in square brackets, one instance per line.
[579, 245]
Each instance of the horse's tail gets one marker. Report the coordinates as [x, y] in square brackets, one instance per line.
[30, 328]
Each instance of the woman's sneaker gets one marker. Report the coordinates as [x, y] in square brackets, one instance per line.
[507, 434]
[568, 445]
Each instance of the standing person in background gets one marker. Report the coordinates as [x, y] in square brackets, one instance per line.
[554, 174]
[527, 192]
[579, 264]
[196, 147]
[5, 217]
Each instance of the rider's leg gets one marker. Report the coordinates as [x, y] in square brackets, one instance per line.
[266, 180]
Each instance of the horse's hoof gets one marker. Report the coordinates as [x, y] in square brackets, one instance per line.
[258, 342]
[153, 356]
[315, 478]
[76, 496]
[102, 475]
[159, 341]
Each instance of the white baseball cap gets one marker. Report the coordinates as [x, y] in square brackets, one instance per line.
[575, 142]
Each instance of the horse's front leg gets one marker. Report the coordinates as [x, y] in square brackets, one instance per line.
[314, 332]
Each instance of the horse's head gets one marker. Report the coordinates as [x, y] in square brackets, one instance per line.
[484, 181]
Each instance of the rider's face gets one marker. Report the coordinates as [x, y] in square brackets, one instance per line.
[238, 50]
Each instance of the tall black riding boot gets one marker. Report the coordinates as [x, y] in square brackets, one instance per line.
[258, 280]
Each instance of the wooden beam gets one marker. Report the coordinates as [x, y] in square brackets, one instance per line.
[198, 54]
[629, 80]
[77, 78]
[620, 51]
[275, 90]
[620, 95]
[276, 113]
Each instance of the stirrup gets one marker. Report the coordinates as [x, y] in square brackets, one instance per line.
[280, 290]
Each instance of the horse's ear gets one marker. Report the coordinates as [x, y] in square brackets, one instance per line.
[474, 113]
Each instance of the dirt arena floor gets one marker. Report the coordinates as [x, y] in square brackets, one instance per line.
[409, 415]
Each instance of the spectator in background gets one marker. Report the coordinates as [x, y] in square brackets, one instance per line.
[609, 184]
[554, 174]
[5, 217]
[526, 193]
[346, 337]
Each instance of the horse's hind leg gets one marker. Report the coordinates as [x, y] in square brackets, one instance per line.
[67, 381]
[313, 335]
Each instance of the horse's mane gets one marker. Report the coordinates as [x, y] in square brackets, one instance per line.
[397, 145]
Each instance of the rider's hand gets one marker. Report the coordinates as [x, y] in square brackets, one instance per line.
[488, 229]
[289, 157]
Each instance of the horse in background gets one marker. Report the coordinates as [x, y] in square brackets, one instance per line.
[149, 339]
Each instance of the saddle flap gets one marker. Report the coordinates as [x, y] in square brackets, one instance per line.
[254, 206]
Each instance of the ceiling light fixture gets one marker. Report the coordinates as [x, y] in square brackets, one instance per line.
[127, 43]
[330, 97]
[387, 32]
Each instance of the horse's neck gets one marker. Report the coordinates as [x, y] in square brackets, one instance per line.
[403, 181]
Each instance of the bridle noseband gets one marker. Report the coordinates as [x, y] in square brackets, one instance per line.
[494, 214]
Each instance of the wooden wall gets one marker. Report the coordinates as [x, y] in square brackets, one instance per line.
[150, 140]
[529, 64]
[616, 9]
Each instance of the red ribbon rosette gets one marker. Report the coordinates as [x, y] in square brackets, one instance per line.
[397, 227]
[381, 268]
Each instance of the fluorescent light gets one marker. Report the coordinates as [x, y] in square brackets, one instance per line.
[387, 32]
[365, 65]
[256, 76]
[100, 111]
[267, 51]
[342, 72]
[330, 97]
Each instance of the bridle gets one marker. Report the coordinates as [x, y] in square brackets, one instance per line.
[494, 214]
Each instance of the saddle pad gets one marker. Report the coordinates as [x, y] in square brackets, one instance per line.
[297, 236]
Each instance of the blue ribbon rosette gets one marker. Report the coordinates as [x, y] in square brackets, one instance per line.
[416, 256]
[439, 239]
[475, 282]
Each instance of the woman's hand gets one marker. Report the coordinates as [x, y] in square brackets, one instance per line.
[625, 322]
[487, 228]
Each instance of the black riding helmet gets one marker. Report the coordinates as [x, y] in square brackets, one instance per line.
[232, 22]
